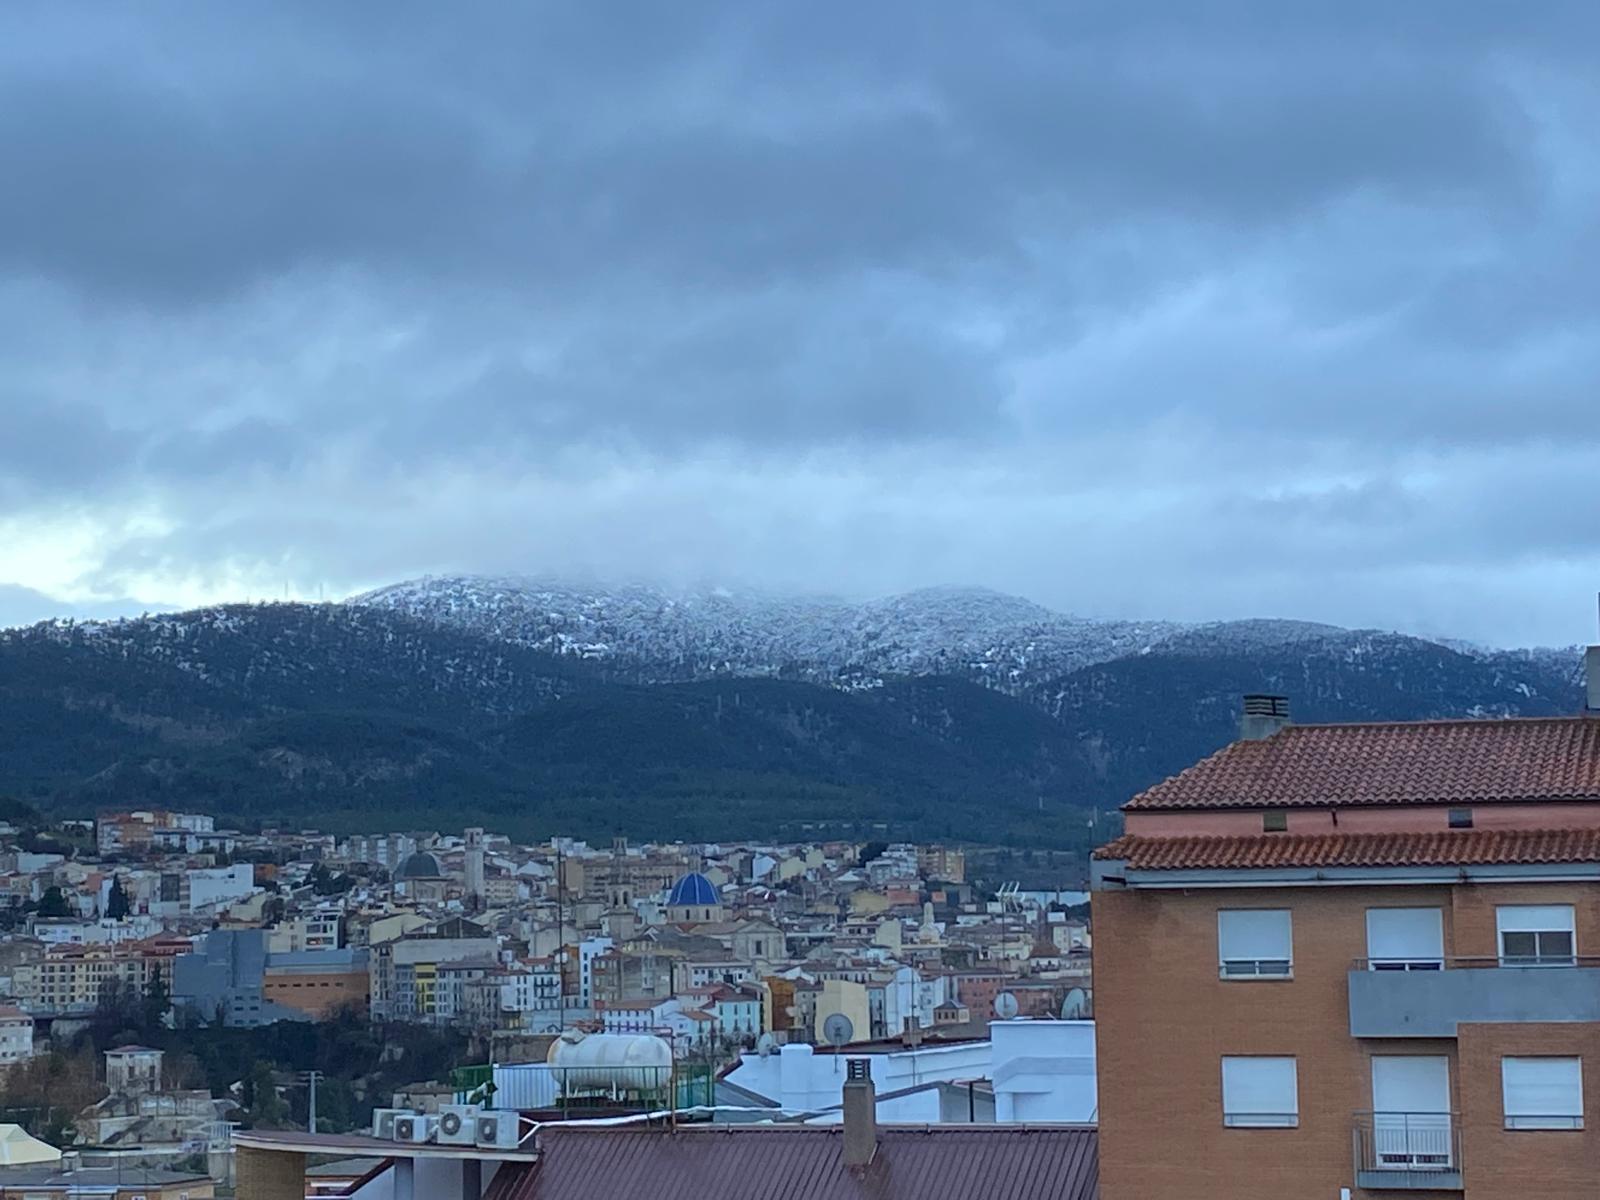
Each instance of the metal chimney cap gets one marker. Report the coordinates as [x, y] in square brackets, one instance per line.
[858, 1068]
[1264, 704]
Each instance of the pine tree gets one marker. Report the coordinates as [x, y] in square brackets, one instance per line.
[156, 1001]
[117, 905]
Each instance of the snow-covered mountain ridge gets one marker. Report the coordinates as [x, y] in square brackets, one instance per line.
[649, 634]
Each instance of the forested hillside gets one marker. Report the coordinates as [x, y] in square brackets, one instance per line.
[353, 717]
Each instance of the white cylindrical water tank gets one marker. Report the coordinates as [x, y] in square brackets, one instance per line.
[612, 1061]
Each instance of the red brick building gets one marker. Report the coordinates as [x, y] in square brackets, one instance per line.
[1356, 960]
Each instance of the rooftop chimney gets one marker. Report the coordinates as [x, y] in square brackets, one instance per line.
[860, 1114]
[1263, 716]
[911, 1032]
[1591, 670]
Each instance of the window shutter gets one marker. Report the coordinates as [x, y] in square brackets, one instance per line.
[1533, 918]
[1542, 1093]
[1260, 1092]
[1405, 933]
[1254, 933]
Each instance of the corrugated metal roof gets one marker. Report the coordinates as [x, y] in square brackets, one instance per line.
[988, 1162]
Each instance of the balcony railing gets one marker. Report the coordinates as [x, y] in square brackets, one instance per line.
[1255, 968]
[1477, 962]
[1408, 1150]
[1430, 997]
[539, 1087]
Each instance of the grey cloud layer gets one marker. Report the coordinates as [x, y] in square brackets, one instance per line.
[1045, 296]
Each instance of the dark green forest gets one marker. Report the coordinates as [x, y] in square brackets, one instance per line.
[355, 719]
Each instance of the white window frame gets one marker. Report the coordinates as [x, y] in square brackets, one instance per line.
[1242, 1111]
[1265, 966]
[1517, 1075]
[1426, 962]
[1539, 920]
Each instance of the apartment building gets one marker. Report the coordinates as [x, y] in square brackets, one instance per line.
[69, 980]
[313, 931]
[1356, 960]
[948, 864]
[404, 972]
[16, 1035]
[119, 832]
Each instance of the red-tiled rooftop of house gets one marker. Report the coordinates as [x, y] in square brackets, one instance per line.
[1455, 847]
[1419, 762]
[993, 1162]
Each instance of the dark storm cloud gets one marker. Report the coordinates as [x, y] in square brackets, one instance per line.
[177, 178]
[850, 296]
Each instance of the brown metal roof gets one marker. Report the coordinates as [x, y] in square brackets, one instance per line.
[989, 1162]
[1419, 762]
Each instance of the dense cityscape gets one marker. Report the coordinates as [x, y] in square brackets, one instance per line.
[894, 601]
[722, 952]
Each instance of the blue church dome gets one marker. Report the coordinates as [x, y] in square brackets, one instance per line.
[693, 888]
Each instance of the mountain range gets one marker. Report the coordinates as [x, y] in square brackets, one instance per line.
[543, 707]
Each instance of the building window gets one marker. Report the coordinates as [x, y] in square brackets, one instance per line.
[1260, 1093]
[1254, 943]
[1460, 818]
[1535, 935]
[1542, 1093]
[1405, 939]
[1274, 822]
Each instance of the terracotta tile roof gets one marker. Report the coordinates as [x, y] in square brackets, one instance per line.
[1453, 847]
[994, 1162]
[1422, 762]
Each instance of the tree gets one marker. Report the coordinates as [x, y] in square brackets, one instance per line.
[113, 1010]
[263, 1106]
[325, 883]
[117, 905]
[156, 1001]
[871, 851]
[47, 1091]
[53, 903]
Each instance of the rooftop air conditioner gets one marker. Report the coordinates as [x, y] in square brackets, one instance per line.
[502, 1130]
[415, 1127]
[383, 1121]
[457, 1125]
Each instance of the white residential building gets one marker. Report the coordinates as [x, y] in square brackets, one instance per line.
[16, 1035]
[1041, 1071]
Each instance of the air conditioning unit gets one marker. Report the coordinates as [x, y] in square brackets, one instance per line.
[502, 1130]
[383, 1121]
[457, 1125]
[415, 1127]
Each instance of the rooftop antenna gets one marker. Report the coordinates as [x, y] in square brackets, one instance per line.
[1075, 1004]
[837, 1030]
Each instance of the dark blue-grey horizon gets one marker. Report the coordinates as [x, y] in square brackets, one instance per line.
[1173, 311]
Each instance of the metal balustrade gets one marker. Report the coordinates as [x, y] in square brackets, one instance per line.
[1408, 1150]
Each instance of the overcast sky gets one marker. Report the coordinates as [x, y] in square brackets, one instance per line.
[1278, 310]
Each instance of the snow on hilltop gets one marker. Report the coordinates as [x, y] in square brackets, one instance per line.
[650, 633]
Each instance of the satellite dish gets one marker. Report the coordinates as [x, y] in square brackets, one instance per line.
[1006, 1006]
[838, 1030]
[765, 1045]
[1075, 1006]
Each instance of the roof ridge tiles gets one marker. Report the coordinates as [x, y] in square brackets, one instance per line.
[1442, 847]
